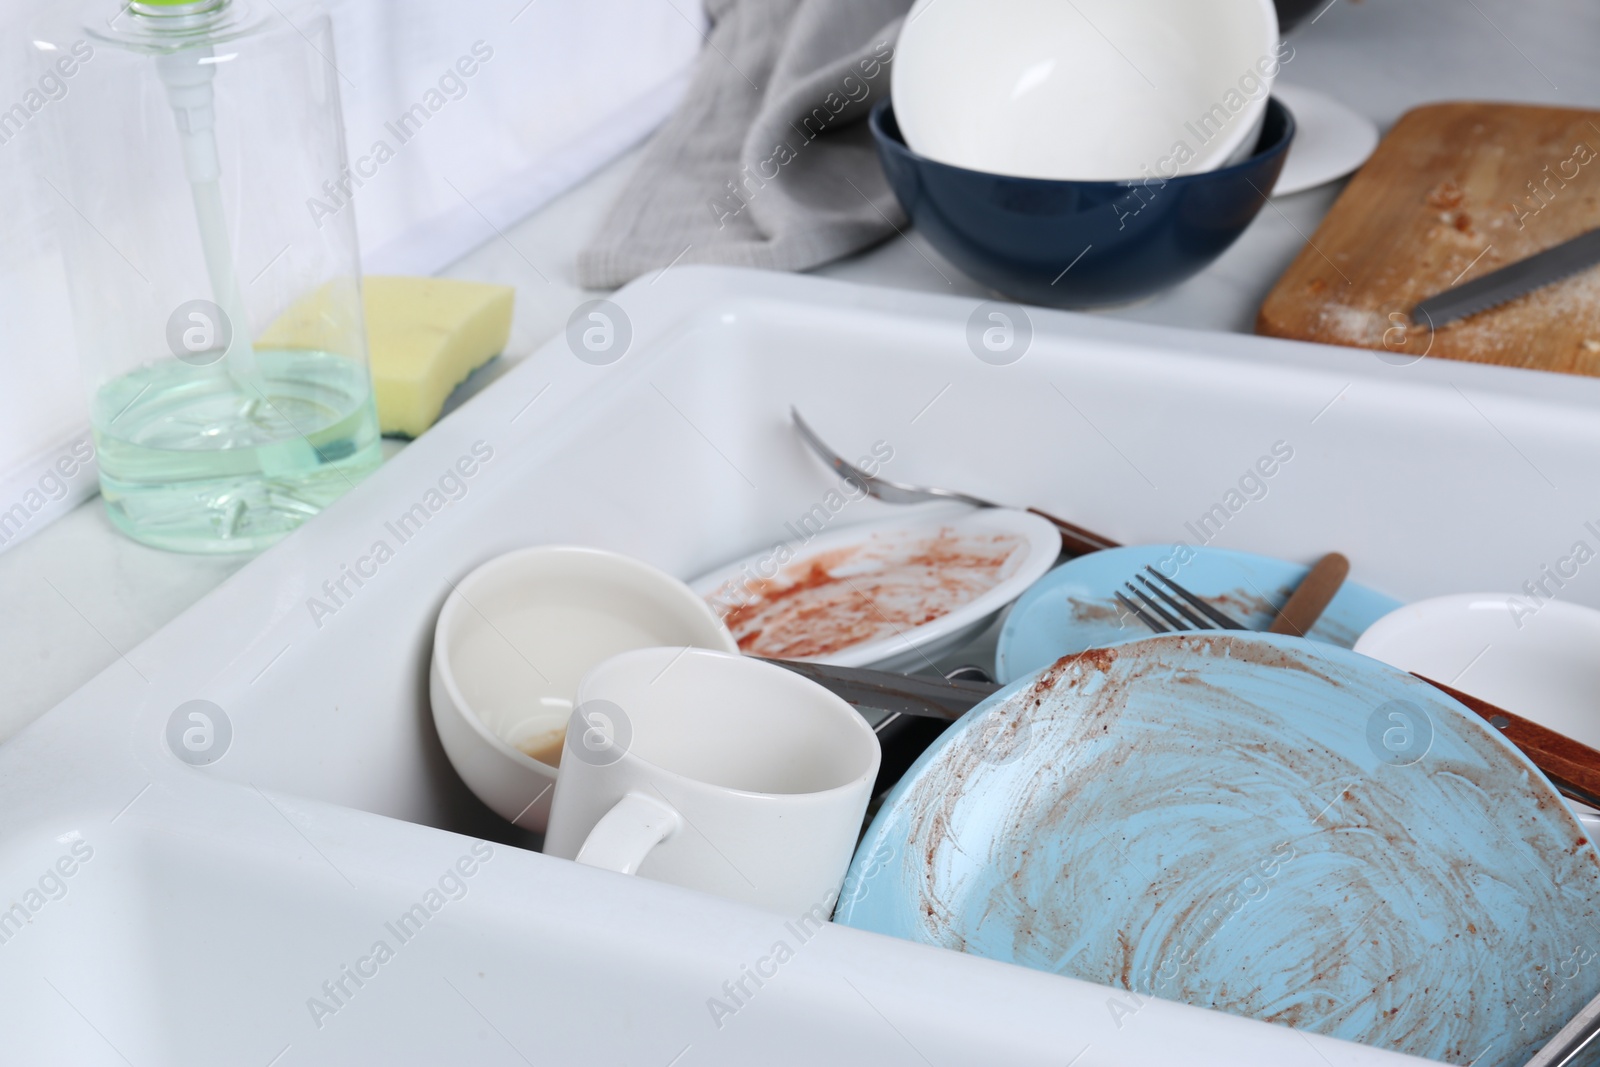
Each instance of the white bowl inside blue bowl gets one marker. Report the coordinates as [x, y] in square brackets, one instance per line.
[1100, 90]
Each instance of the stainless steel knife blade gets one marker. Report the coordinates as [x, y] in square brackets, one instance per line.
[898, 694]
[1508, 283]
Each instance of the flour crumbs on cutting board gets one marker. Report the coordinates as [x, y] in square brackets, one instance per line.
[1454, 192]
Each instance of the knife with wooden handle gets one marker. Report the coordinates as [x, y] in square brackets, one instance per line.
[1571, 766]
[1312, 596]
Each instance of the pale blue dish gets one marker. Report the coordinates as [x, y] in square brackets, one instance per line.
[1254, 824]
[1073, 607]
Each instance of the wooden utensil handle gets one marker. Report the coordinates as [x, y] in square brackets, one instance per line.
[1312, 596]
[1075, 540]
[1572, 767]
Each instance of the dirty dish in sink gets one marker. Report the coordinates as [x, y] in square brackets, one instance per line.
[1255, 824]
[893, 594]
[1074, 607]
[512, 642]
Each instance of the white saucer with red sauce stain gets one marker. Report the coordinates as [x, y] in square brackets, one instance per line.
[893, 594]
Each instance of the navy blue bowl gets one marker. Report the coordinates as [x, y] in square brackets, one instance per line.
[1081, 244]
[1292, 12]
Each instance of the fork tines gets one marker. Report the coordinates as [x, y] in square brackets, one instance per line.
[1185, 611]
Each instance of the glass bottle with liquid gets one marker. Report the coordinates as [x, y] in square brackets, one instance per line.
[218, 319]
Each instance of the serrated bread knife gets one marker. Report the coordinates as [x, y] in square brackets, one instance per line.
[1520, 278]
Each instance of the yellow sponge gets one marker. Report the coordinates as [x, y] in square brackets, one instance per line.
[425, 335]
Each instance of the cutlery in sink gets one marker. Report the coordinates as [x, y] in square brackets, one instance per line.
[1296, 618]
[897, 694]
[954, 695]
[1075, 540]
[1165, 606]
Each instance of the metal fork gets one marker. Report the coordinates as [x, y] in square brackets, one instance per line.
[1178, 609]
[1296, 617]
[1075, 540]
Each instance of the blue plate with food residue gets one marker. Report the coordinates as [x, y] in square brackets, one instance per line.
[1255, 824]
[1074, 607]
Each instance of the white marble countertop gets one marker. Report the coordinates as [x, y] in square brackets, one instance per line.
[79, 595]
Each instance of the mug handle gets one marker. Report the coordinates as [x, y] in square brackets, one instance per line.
[625, 835]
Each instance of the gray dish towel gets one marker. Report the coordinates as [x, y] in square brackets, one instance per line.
[768, 161]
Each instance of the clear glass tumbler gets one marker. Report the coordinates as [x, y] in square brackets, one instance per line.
[216, 301]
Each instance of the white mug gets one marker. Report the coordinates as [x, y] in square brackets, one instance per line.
[715, 772]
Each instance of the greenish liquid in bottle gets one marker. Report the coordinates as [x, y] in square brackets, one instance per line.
[193, 461]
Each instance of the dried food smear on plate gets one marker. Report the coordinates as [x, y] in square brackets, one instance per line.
[856, 594]
[1220, 820]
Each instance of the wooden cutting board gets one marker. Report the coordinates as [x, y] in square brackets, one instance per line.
[1453, 192]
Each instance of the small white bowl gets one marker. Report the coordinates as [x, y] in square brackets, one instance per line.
[1095, 90]
[512, 642]
[1541, 661]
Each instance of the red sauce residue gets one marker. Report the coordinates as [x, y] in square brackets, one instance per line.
[1446, 195]
[831, 601]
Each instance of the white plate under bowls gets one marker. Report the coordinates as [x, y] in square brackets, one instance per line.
[874, 571]
[1330, 141]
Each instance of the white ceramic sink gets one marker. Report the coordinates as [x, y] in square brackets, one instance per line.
[219, 899]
